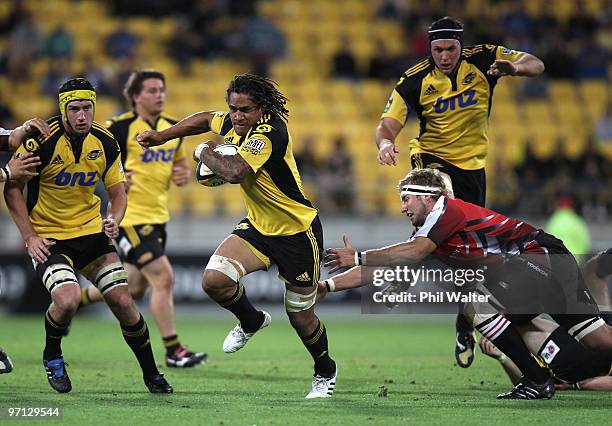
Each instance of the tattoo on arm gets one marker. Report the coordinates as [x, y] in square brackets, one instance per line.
[232, 168]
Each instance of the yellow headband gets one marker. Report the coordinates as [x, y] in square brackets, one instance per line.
[75, 95]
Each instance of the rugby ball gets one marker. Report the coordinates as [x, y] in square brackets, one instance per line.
[207, 177]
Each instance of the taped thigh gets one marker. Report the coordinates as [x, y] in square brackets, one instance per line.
[231, 268]
[296, 302]
[110, 276]
[57, 275]
[583, 328]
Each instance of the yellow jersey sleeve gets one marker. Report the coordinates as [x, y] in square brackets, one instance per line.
[507, 54]
[396, 108]
[217, 121]
[256, 150]
[114, 173]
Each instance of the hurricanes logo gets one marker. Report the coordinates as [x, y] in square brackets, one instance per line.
[146, 230]
[92, 155]
[263, 128]
[31, 145]
[241, 226]
[469, 78]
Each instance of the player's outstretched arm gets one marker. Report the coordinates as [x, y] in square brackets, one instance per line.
[400, 254]
[28, 129]
[36, 245]
[527, 65]
[195, 124]
[358, 276]
[386, 132]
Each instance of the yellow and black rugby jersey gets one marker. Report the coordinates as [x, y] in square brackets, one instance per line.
[148, 195]
[60, 200]
[453, 110]
[273, 195]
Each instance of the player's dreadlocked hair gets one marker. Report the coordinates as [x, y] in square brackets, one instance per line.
[262, 91]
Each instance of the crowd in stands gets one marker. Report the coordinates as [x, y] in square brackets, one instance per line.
[577, 48]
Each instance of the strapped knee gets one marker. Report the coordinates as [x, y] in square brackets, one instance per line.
[296, 302]
[57, 275]
[110, 277]
[585, 327]
[231, 268]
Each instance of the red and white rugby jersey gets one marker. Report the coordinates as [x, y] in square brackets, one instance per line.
[465, 230]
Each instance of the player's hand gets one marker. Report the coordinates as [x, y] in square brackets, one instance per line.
[21, 166]
[128, 179]
[36, 125]
[321, 291]
[180, 175]
[110, 227]
[502, 67]
[149, 138]
[339, 258]
[197, 152]
[38, 248]
[488, 348]
[387, 153]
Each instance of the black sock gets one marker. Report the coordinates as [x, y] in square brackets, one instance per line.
[462, 325]
[506, 337]
[171, 343]
[250, 318]
[317, 345]
[137, 337]
[53, 339]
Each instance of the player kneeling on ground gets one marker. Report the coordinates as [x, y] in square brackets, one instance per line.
[63, 230]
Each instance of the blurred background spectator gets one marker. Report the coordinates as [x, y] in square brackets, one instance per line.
[546, 134]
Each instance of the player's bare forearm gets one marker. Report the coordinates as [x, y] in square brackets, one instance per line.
[117, 201]
[232, 168]
[13, 196]
[358, 276]
[400, 254]
[31, 128]
[349, 279]
[529, 65]
[194, 124]
[600, 383]
[387, 130]
[513, 372]
[16, 138]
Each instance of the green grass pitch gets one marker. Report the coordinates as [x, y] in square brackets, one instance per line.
[266, 382]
